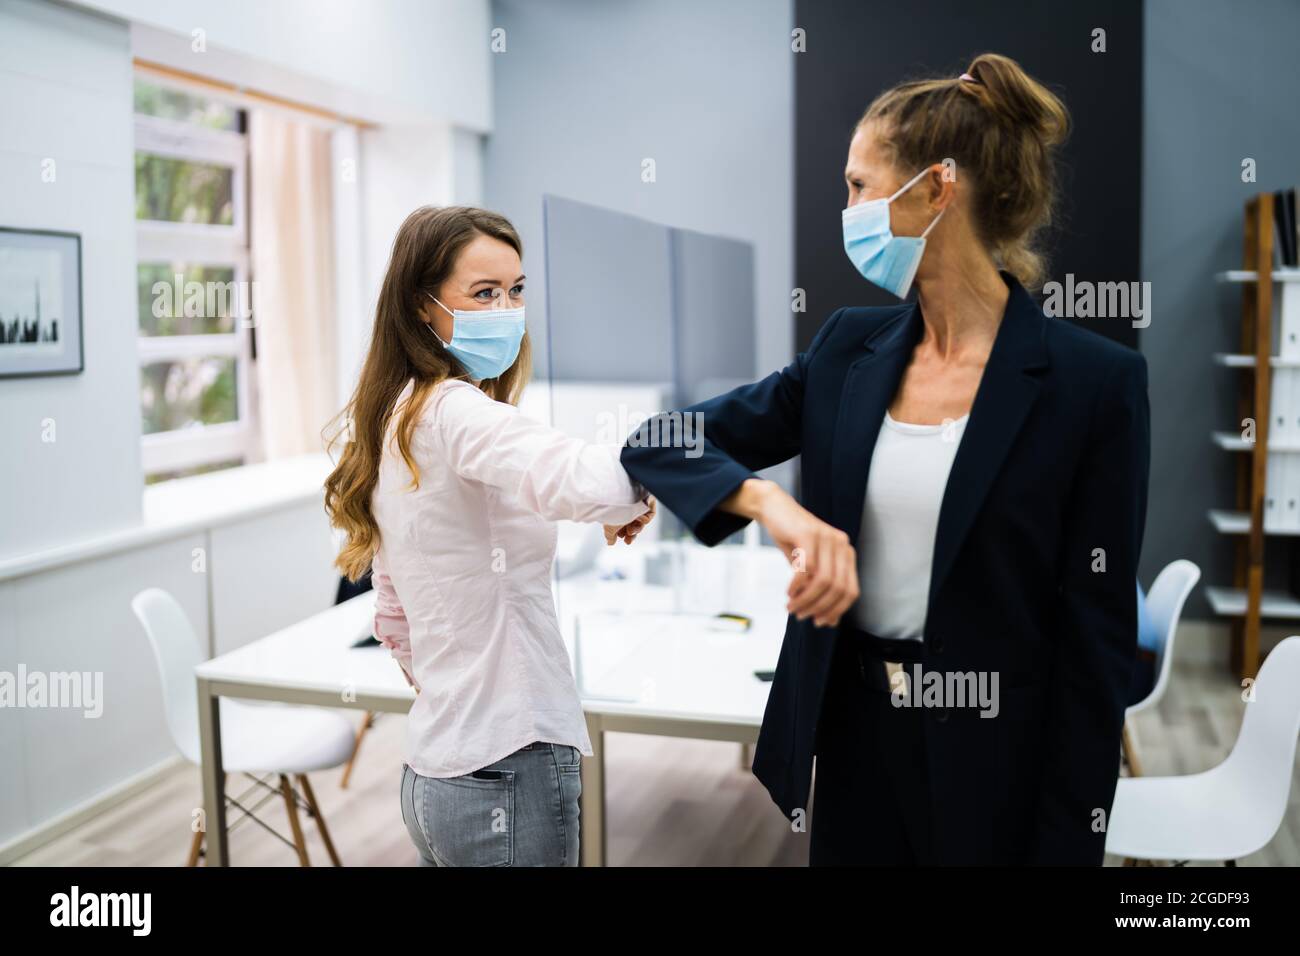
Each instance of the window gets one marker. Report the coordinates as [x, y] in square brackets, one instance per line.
[195, 330]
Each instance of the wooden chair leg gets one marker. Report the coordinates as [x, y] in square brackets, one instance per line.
[1130, 752]
[366, 723]
[291, 807]
[320, 818]
[196, 845]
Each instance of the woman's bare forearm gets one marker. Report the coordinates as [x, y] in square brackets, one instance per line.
[750, 499]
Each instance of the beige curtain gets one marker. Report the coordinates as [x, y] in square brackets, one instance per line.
[292, 239]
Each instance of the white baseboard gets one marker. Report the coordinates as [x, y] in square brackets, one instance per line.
[70, 819]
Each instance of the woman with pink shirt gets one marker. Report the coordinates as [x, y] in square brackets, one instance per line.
[452, 495]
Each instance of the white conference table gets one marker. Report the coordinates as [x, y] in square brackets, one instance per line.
[640, 667]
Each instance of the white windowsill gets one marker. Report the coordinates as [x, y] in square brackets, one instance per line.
[184, 505]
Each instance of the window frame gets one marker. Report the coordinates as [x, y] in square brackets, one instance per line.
[204, 244]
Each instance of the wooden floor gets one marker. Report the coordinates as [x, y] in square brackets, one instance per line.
[671, 802]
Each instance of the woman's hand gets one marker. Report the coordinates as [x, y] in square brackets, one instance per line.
[629, 531]
[825, 583]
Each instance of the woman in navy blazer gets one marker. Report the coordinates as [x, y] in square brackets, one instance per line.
[1036, 531]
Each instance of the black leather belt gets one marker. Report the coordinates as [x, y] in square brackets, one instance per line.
[880, 659]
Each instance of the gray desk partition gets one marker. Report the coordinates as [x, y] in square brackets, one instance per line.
[713, 310]
[631, 301]
[635, 301]
[608, 295]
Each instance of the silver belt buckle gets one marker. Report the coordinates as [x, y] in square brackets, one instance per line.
[896, 678]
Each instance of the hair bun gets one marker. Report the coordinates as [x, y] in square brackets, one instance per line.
[1001, 127]
[1018, 98]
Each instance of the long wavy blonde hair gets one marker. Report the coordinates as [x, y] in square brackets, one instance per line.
[401, 351]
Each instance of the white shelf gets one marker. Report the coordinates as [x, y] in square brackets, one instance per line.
[1229, 522]
[1231, 602]
[1249, 275]
[1235, 360]
[1232, 441]
[1238, 522]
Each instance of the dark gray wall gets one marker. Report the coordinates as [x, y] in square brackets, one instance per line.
[1221, 83]
[857, 50]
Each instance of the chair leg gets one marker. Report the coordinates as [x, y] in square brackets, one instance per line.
[196, 845]
[320, 818]
[291, 807]
[366, 723]
[1130, 752]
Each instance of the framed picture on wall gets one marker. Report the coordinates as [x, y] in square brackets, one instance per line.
[40, 303]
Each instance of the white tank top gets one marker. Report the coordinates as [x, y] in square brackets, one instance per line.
[909, 472]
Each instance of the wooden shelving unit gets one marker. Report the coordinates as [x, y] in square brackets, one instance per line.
[1246, 601]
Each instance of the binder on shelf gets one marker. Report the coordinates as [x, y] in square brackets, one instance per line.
[1291, 492]
[1286, 313]
[1294, 227]
[1293, 403]
[1274, 481]
[1284, 218]
[1281, 403]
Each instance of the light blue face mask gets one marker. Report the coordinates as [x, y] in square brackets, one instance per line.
[485, 342]
[883, 258]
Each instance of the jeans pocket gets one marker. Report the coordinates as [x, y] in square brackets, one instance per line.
[410, 809]
[470, 820]
[570, 809]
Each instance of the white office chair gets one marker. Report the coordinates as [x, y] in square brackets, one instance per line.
[1165, 603]
[256, 739]
[1231, 810]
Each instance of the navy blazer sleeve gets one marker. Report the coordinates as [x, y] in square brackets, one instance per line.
[1096, 634]
[743, 431]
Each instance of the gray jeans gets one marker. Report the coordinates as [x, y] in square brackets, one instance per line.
[520, 811]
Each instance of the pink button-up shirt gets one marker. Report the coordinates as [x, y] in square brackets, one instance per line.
[463, 575]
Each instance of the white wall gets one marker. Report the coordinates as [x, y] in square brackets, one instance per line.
[417, 67]
[268, 572]
[428, 58]
[78, 619]
[401, 167]
[65, 96]
[467, 168]
[248, 577]
[351, 302]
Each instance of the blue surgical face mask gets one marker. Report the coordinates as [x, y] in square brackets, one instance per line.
[485, 342]
[883, 258]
